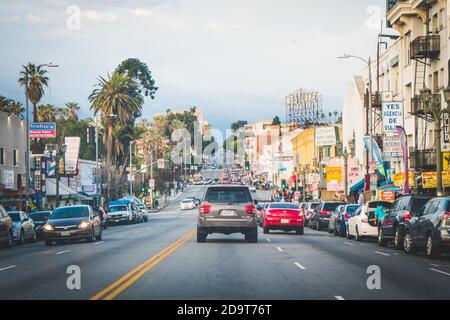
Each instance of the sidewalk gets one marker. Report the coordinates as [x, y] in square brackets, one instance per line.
[174, 196]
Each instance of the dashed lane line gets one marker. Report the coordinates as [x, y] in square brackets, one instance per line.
[440, 271]
[7, 268]
[300, 266]
[62, 252]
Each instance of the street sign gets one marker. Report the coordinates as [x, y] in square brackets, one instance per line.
[161, 163]
[281, 169]
[41, 130]
[151, 184]
[392, 116]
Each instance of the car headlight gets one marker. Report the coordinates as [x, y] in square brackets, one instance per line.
[49, 227]
[83, 225]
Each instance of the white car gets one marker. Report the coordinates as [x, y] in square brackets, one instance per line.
[187, 204]
[252, 189]
[362, 224]
[121, 213]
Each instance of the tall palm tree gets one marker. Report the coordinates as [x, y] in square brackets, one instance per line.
[61, 114]
[46, 113]
[72, 109]
[16, 107]
[117, 95]
[37, 80]
[4, 102]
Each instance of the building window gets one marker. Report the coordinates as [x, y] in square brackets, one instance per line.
[2, 156]
[15, 158]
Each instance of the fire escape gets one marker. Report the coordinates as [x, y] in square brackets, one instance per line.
[423, 50]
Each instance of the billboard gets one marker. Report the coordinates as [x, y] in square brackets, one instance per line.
[71, 155]
[392, 147]
[392, 116]
[429, 180]
[326, 136]
[41, 130]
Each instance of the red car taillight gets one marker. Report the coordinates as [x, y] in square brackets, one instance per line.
[250, 209]
[445, 216]
[205, 209]
[407, 216]
[346, 217]
[300, 214]
[325, 212]
[365, 220]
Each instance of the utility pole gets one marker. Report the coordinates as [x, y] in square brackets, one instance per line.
[97, 165]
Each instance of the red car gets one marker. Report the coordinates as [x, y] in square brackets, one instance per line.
[284, 217]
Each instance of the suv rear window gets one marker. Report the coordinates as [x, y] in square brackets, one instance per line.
[330, 206]
[418, 204]
[314, 205]
[228, 195]
[117, 208]
[283, 206]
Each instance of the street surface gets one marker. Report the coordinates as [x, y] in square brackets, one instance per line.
[162, 260]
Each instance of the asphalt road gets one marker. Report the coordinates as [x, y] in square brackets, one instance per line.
[161, 260]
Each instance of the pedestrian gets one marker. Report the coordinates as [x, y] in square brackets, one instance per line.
[361, 199]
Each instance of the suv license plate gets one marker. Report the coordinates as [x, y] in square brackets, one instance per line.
[284, 221]
[228, 213]
[65, 234]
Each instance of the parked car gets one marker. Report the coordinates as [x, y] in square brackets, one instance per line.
[6, 227]
[334, 217]
[196, 201]
[228, 210]
[363, 224]
[309, 211]
[392, 226]
[284, 217]
[40, 219]
[341, 221]
[23, 227]
[260, 207]
[187, 204]
[102, 215]
[321, 216]
[252, 189]
[73, 223]
[430, 229]
[144, 211]
[121, 213]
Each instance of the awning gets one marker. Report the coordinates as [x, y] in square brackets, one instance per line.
[358, 186]
[64, 191]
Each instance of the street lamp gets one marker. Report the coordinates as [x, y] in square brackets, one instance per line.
[369, 119]
[27, 120]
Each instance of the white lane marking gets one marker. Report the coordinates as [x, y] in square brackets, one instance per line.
[62, 252]
[339, 298]
[136, 232]
[279, 249]
[383, 254]
[434, 265]
[99, 242]
[120, 237]
[7, 268]
[439, 271]
[268, 240]
[349, 244]
[300, 266]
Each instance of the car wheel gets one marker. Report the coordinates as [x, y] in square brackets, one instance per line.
[432, 250]
[266, 230]
[33, 238]
[341, 232]
[398, 240]
[100, 235]
[201, 236]
[382, 242]
[330, 231]
[336, 231]
[357, 236]
[48, 243]
[252, 236]
[347, 234]
[408, 244]
[21, 239]
[9, 241]
[300, 231]
[91, 237]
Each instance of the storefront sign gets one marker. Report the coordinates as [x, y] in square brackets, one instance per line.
[8, 179]
[399, 179]
[71, 155]
[42, 130]
[334, 174]
[446, 163]
[326, 136]
[392, 116]
[429, 179]
[446, 127]
[387, 195]
[392, 147]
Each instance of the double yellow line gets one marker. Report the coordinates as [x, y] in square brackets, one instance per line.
[131, 277]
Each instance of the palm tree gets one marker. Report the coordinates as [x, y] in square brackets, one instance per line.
[117, 95]
[15, 107]
[62, 114]
[72, 109]
[37, 80]
[46, 113]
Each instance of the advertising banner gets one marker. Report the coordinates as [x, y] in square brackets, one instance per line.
[334, 174]
[42, 130]
[398, 179]
[392, 147]
[429, 179]
[392, 116]
[326, 136]
[71, 155]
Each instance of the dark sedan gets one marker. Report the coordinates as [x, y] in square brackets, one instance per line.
[40, 218]
[73, 223]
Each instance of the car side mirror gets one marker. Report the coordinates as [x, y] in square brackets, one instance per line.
[255, 202]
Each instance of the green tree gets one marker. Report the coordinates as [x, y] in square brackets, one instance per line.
[72, 109]
[46, 113]
[276, 121]
[15, 107]
[37, 81]
[139, 72]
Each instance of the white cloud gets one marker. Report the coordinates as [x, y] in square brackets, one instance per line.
[139, 12]
[100, 15]
[220, 26]
[34, 19]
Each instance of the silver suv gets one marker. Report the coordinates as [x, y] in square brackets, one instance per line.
[227, 210]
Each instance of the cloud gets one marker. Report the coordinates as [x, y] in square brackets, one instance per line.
[220, 26]
[34, 19]
[12, 19]
[139, 12]
[100, 16]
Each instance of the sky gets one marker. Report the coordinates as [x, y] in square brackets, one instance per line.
[234, 59]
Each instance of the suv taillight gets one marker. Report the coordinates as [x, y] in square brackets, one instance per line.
[250, 209]
[205, 209]
[324, 212]
[365, 220]
[407, 216]
[346, 217]
[445, 216]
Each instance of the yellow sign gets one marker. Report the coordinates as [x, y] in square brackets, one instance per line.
[399, 179]
[446, 165]
[429, 179]
[334, 174]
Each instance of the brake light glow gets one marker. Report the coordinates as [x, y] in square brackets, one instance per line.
[346, 217]
[445, 215]
[407, 216]
[205, 209]
[300, 214]
[325, 212]
[250, 209]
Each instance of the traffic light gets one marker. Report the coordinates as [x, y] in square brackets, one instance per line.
[283, 184]
[247, 165]
[91, 138]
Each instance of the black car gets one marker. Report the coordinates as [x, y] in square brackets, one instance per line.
[73, 223]
[40, 218]
[392, 226]
[102, 215]
[321, 217]
[6, 234]
[430, 229]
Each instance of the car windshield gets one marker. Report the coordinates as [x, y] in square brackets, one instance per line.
[40, 216]
[418, 204]
[351, 210]
[314, 205]
[117, 208]
[228, 195]
[69, 213]
[384, 204]
[284, 206]
[331, 206]
[187, 201]
[15, 216]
